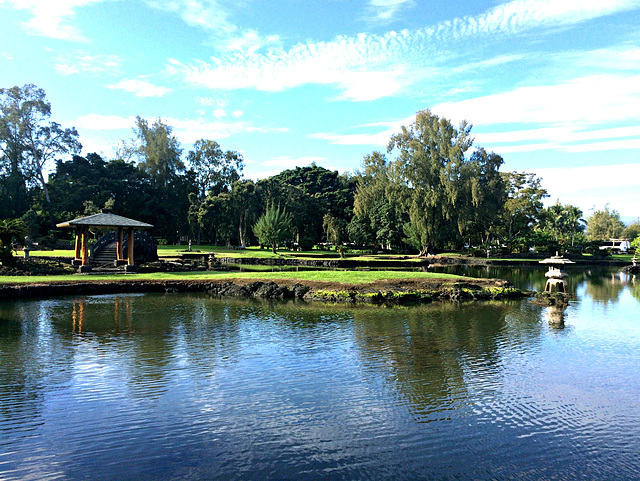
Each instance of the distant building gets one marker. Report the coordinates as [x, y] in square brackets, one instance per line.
[617, 245]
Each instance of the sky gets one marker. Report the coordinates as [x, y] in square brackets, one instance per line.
[553, 86]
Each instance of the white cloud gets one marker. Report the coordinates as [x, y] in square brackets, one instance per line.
[363, 67]
[291, 162]
[559, 134]
[368, 67]
[586, 100]
[523, 15]
[207, 14]
[379, 138]
[249, 41]
[186, 130]
[190, 130]
[104, 122]
[52, 18]
[78, 62]
[628, 144]
[594, 186]
[385, 10]
[212, 102]
[214, 17]
[141, 88]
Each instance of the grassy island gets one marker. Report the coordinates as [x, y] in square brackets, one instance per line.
[333, 286]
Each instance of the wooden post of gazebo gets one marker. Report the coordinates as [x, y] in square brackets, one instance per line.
[78, 257]
[130, 261]
[85, 249]
[109, 222]
[120, 260]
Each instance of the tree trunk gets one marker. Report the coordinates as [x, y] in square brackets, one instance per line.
[274, 248]
[52, 225]
[242, 231]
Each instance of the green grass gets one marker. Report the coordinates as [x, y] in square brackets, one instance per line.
[256, 252]
[52, 253]
[346, 277]
[623, 257]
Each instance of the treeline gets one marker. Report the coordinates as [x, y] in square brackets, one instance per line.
[430, 191]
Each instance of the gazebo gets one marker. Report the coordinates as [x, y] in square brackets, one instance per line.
[104, 221]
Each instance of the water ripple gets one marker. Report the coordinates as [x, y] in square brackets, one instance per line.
[147, 387]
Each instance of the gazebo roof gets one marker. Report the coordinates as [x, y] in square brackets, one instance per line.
[108, 221]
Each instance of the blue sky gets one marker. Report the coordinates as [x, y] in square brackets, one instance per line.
[551, 85]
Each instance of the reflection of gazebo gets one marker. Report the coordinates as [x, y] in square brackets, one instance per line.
[104, 221]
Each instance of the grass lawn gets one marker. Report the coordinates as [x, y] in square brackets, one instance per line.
[50, 253]
[623, 257]
[347, 277]
[256, 252]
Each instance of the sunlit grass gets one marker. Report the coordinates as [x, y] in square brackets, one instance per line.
[346, 277]
[49, 253]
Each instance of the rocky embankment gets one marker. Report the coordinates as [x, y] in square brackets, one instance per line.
[383, 292]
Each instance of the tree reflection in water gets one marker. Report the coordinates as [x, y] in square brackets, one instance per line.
[433, 359]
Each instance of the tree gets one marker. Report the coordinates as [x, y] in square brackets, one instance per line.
[28, 139]
[523, 207]
[244, 199]
[632, 231]
[554, 220]
[273, 227]
[216, 217]
[359, 231]
[214, 168]
[431, 155]
[308, 193]
[304, 210]
[10, 230]
[604, 225]
[575, 221]
[159, 151]
[215, 171]
[379, 202]
[333, 228]
[482, 195]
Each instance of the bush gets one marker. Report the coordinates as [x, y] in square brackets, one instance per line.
[306, 243]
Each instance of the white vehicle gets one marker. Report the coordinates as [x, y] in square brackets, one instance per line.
[617, 245]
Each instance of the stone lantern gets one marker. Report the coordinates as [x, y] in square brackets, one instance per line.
[555, 275]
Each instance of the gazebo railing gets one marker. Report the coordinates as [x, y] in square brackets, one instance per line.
[145, 245]
[104, 240]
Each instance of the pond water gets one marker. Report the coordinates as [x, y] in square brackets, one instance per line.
[182, 386]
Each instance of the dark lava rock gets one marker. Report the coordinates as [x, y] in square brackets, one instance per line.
[560, 299]
[299, 290]
[268, 290]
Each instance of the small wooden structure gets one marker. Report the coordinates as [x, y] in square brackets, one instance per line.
[104, 221]
[555, 275]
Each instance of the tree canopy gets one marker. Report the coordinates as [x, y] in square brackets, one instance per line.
[28, 139]
[433, 189]
[159, 151]
[604, 225]
[273, 226]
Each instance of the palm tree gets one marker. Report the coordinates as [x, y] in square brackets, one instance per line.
[574, 219]
[10, 230]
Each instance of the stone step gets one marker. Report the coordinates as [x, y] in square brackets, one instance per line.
[106, 255]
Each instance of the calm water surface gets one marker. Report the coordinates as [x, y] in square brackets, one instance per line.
[181, 386]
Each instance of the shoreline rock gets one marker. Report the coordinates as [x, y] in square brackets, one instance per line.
[405, 291]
